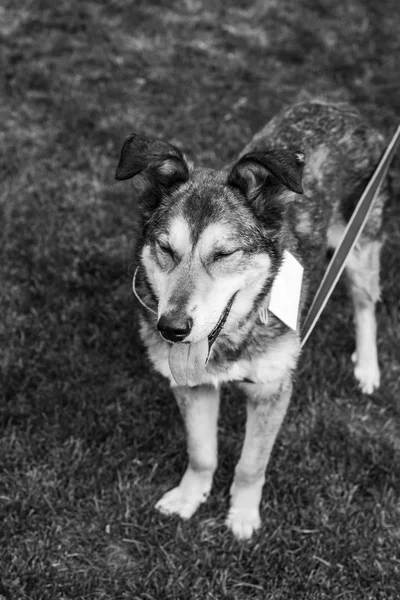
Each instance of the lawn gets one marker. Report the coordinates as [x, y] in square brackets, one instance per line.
[90, 436]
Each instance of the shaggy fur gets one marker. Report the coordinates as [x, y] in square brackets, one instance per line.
[212, 244]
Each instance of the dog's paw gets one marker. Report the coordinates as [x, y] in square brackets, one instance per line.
[367, 375]
[179, 502]
[243, 522]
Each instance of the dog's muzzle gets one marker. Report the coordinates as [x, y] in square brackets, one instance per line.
[217, 329]
[188, 361]
[172, 329]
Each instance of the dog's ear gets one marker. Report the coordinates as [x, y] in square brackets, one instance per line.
[160, 162]
[263, 178]
[258, 170]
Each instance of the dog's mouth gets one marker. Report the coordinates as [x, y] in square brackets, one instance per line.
[222, 320]
[187, 361]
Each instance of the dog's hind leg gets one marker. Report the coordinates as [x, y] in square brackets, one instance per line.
[362, 269]
[266, 408]
[199, 408]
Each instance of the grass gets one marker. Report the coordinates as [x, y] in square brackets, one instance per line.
[90, 437]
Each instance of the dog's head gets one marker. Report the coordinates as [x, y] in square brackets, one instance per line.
[212, 239]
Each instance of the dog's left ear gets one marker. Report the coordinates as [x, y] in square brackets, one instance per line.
[257, 171]
[264, 178]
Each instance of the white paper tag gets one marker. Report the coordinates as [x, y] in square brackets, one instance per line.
[286, 289]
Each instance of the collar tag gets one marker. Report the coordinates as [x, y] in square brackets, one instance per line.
[285, 293]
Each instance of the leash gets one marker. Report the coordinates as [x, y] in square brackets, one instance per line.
[349, 239]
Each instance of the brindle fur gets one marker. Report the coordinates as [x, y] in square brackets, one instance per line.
[341, 152]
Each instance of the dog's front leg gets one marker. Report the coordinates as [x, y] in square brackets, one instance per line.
[199, 407]
[266, 408]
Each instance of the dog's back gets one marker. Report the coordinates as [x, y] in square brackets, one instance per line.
[341, 151]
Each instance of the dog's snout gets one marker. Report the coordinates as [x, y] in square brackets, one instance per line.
[174, 329]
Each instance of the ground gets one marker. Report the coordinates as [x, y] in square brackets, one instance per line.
[90, 436]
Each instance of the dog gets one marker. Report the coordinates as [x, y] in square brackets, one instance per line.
[213, 244]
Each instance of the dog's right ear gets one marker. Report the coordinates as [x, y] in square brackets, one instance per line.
[161, 163]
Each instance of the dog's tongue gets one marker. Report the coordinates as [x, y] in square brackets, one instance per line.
[188, 362]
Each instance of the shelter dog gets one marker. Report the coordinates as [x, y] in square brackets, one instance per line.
[212, 245]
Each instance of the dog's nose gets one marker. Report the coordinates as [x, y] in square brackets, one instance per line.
[173, 329]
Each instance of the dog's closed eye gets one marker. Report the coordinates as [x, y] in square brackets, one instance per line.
[165, 252]
[166, 249]
[224, 254]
